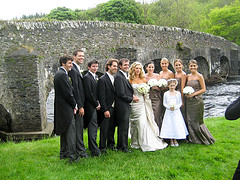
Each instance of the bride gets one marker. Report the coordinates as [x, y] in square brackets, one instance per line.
[144, 130]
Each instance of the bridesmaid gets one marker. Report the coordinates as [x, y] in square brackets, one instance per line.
[154, 94]
[198, 132]
[164, 74]
[181, 77]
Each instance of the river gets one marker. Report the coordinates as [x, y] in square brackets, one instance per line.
[216, 99]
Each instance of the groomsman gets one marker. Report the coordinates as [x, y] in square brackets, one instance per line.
[77, 82]
[91, 106]
[106, 97]
[65, 107]
[124, 96]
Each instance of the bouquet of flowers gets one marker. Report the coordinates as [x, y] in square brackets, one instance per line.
[188, 90]
[162, 83]
[172, 105]
[153, 82]
[143, 88]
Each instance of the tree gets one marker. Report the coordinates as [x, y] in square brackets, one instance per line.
[121, 11]
[62, 13]
[224, 22]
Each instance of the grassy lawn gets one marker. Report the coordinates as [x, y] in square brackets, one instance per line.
[40, 159]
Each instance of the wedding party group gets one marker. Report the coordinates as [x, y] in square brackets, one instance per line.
[154, 110]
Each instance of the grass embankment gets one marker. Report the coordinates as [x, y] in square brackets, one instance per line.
[40, 159]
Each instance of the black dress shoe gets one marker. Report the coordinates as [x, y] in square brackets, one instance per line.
[126, 151]
[83, 155]
[96, 154]
[112, 148]
[103, 151]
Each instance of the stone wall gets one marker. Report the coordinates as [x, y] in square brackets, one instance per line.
[30, 51]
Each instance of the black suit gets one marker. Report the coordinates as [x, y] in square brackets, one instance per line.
[77, 82]
[64, 122]
[90, 117]
[233, 113]
[106, 97]
[124, 96]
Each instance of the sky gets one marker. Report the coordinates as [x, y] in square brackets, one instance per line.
[10, 9]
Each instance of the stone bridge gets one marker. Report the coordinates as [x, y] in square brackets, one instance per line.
[30, 51]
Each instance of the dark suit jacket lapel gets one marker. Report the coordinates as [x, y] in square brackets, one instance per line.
[109, 81]
[128, 83]
[76, 68]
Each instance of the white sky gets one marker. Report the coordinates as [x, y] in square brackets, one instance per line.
[10, 9]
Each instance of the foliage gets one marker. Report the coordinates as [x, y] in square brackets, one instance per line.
[40, 159]
[90, 15]
[224, 22]
[36, 16]
[121, 11]
[62, 13]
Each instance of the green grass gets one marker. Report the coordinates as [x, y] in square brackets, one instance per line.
[40, 159]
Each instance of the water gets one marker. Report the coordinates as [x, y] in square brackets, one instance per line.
[216, 99]
[219, 96]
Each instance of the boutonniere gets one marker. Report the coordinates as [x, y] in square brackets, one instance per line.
[81, 71]
[70, 80]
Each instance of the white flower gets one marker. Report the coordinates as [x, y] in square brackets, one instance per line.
[162, 83]
[171, 105]
[143, 88]
[153, 82]
[188, 90]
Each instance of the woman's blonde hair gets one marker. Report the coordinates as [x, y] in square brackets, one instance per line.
[178, 60]
[164, 59]
[193, 61]
[132, 74]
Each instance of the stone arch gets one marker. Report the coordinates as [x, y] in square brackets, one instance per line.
[203, 66]
[224, 67]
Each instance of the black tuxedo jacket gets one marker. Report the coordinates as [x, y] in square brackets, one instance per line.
[105, 92]
[106, 95]
[124, 93]
[64, 102]
[91, 102]
[233, 110]
[77, 82]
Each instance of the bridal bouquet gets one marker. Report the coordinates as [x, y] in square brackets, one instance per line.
[153, 82]
[188, 90]
[143, 88]
[162, 83]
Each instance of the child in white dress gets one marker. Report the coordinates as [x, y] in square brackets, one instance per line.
[173, 126]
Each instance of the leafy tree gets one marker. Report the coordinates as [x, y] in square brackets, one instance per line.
[121, 11]
[62, 13]
[224, 22]
[90, 15]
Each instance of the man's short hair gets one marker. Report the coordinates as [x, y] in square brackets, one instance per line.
[76, 52]
[94, 61]
[122, 60]
[64, 59]
[109, 63]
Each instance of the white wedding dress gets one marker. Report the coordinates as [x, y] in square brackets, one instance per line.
[143, 128]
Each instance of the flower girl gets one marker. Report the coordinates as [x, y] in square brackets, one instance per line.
[173, 126]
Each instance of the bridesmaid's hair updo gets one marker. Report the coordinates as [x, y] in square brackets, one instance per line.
[149, 62]
[164, 59]
[193, 61]
[132, 74]
[178, 60]
[172, 81]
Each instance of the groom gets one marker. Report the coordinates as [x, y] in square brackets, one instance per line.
[124, 96]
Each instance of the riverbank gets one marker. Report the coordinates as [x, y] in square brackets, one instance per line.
[40, 159]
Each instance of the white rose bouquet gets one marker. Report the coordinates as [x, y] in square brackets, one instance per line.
[162, 83]
[143, 88]
[188, 90]
[172, 105]
[153, 82]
